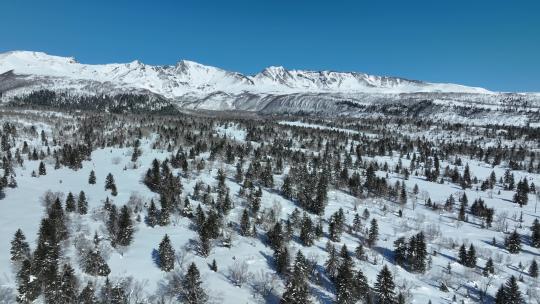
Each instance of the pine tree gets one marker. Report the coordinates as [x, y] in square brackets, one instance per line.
[462, 259]
[384, 286]
[87, 295]
[533, 269]
[192, 291]
[42, 170]
[282, 260]
[361, 286]
[92, 178]
[166, 254]
[344, 280]
[500, 296]
[400, 251]
[125, 228]
[535, 234]
[70, 203]
[512, 294]
[82, 204]
[20, 250]
[306, 231]
[297, 289]
[152, 217]
[490, 268]
[94, 264]
[471, 257]
[245, 224]
[28, 288]
[213, 266]
[68, 286]
[109, 182]
[513, 242]
[373, 234]
[275, 236]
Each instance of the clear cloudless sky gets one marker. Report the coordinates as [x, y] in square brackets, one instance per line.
[489, 43]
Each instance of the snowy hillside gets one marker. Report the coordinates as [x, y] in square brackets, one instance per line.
[144, 209]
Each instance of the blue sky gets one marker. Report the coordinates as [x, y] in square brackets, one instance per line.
[493, 44]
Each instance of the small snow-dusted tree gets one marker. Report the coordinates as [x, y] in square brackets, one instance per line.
[166, 254]
[192, 291]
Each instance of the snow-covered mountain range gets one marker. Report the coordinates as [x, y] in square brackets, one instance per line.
[192, 85]
[188, 77]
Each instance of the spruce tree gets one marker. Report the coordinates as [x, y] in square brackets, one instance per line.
[42, 170]
[512, 294]
[20, 250]
[344, 280]
[282, 260]
[70, 203]
[125, 228]
[68, 286]
[384, 287]
[535, 234]
[92, 178]
[192, 291]
[87, 295]
[82, 204]
[513, 242]
[307, 235]
[152, 217]
[245, 224]
[373, 234]
[297, 289]
[533, 269]
[166, 254]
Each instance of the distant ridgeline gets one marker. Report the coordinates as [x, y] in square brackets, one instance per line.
[117, 103]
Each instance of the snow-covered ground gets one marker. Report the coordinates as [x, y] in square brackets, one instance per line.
[22, 208]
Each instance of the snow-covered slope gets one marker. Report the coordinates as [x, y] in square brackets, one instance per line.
[194, 79]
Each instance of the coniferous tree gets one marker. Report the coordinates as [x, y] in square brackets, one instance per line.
[345, 293]
[384, 287]
[28, 288]
[512, 294]
[535, 234]
[513, 242]
[297, 289]
[332, 263]
[70, 203]
[20, 250]
[373, 234]
[282, 260]
[275, 236]
[166, 254]
[82, 203]
[533, 269]
[192, 291]
[307, 235]
[361, 287]
[152, 217]
[68, 286]
[471, 257]
[87, 295]
[42, 170]
[245, 224]
[490, 268]
[92, 178]
[125, 227]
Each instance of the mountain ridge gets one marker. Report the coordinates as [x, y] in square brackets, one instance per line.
[189, 77]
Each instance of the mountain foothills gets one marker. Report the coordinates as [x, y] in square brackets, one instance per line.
[138, 184]
[61, 81]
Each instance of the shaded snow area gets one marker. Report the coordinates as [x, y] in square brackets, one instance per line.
[254, 144]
